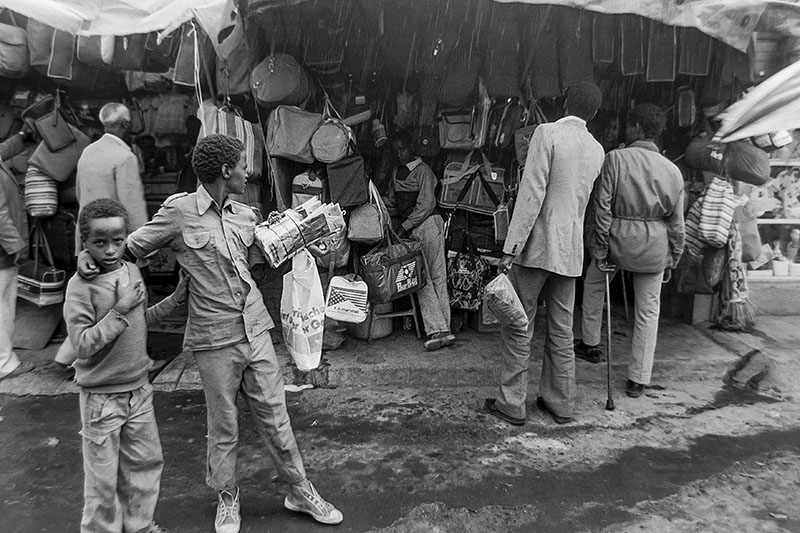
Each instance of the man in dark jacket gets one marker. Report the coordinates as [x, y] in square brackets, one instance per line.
[635, 223]
[13, 249]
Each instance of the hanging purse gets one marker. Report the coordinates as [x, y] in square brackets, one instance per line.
[40, 283]
[368, 221]
[61, 164]
[47, 119]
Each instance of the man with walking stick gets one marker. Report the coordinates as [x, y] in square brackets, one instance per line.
[635, 223]
[543, 254]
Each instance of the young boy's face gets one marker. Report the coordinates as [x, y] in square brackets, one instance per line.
[106, 242]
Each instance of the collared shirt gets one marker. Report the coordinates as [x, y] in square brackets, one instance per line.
[215, 246]
[421, 184]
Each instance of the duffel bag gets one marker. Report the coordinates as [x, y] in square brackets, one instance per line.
[456, 130]
[289, 132]
[478, 188]
[332, 139]
[347, 180]
[39, 281]
[279, 79]
[14, 61]
[747, 163]
[480, 229]
[393, 269]
[467, 275]
[41, 194]
[60, 164]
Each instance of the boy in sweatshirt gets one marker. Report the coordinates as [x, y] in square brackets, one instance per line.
[107, 325]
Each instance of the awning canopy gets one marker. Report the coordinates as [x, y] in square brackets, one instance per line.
[731, 21]
[772, 105]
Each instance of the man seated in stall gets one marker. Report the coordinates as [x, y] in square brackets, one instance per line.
[412, 203]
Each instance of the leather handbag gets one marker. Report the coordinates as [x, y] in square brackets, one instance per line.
[41, 194]
[368, 221]
[332, 139]
[39, 281]
[456, 130]
[289, 132]
[279, 79]
[347, 181]
[61, 164]
[467, 275]
[14, 62]
[393, 269]
[48, 120]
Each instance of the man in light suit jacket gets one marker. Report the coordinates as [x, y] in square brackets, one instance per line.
[543, 254]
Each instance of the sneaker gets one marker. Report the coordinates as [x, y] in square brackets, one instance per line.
[439, 340]
[633, 389]
[589, 353]
[228, 519]
[309, 501]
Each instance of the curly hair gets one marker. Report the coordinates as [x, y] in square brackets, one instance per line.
[212, 152]
[101, 208]
[583, 99]
[651, 119]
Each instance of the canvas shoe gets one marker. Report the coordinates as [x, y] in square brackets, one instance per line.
[228, 519]
[438, 340]
[588, 352]
[309, 501]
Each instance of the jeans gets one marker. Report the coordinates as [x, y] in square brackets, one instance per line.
[8, 302]
[557, 380]
[434, 300]
[253, 369]
[646, 309]
[122, 461]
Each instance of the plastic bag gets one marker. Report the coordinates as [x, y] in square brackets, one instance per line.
[501, 301]
[303, 312]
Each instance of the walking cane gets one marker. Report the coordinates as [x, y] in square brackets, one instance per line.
[609, 400]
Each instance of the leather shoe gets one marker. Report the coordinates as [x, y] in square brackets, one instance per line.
[540, 403]
[633, 389]
[491, 407]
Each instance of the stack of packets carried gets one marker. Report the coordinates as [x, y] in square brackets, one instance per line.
[284, 234]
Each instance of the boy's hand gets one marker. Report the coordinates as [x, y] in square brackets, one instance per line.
[87, 268]
[129, 297]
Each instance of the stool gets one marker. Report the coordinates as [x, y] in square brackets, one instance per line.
[372, 315]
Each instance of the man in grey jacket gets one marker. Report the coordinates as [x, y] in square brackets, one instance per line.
[635, 223]
[543, 254]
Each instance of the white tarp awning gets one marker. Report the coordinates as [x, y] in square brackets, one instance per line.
[772, 105]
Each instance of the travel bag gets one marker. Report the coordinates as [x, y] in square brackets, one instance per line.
[279, 79]
[289, 132]
[368, 221]
[48, 120]
[61, 164]
[347, 181]
[456, 130]
[478, 188]
[38, 280]
[14, 61]
[393, 269]
[229, 122]
[333, 138]
[41, 194]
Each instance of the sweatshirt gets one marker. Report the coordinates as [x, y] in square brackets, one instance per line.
[112, 349]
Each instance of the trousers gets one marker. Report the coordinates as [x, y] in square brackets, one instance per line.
[251, 368]
[122, 461]
[646, 308]
[434, 301]
[557, 379]
[8, 302]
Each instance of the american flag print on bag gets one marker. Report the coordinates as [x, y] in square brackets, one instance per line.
[347, 299]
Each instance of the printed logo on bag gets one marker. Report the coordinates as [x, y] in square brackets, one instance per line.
[406, 276]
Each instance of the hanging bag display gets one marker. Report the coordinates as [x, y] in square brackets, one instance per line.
[48, 120]
[393, 269]
[477, 188]
[129, 52]
[347, 181]
[716, 214]
[289, 132]
[61, 164]
[303, 312]
[467, 275]
[14, 61]
[347, 299]
[456, 130]
[332, 139]
[96, 50]
[39, 281]
[368, 221]
[41, 194]
[523, 136]
[279, 79]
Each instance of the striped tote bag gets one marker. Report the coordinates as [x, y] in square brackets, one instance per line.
[251, 135]
[716, 215]
[41, 193]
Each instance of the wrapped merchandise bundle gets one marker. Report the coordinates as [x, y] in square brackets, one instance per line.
[284, 234]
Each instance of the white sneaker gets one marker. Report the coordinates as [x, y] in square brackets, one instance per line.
[310, 502]
[228, 519]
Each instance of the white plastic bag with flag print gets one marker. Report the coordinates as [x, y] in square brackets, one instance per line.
[347, 299]
[303, 312]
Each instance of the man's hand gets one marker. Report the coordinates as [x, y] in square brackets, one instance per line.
[87, 268]
[667, 276]
[505, 264]
[128, 297]
[604, 265]
[21, 256]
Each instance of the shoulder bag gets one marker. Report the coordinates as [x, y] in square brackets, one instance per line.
[368, 221]
[40, 283]
[393, 269]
